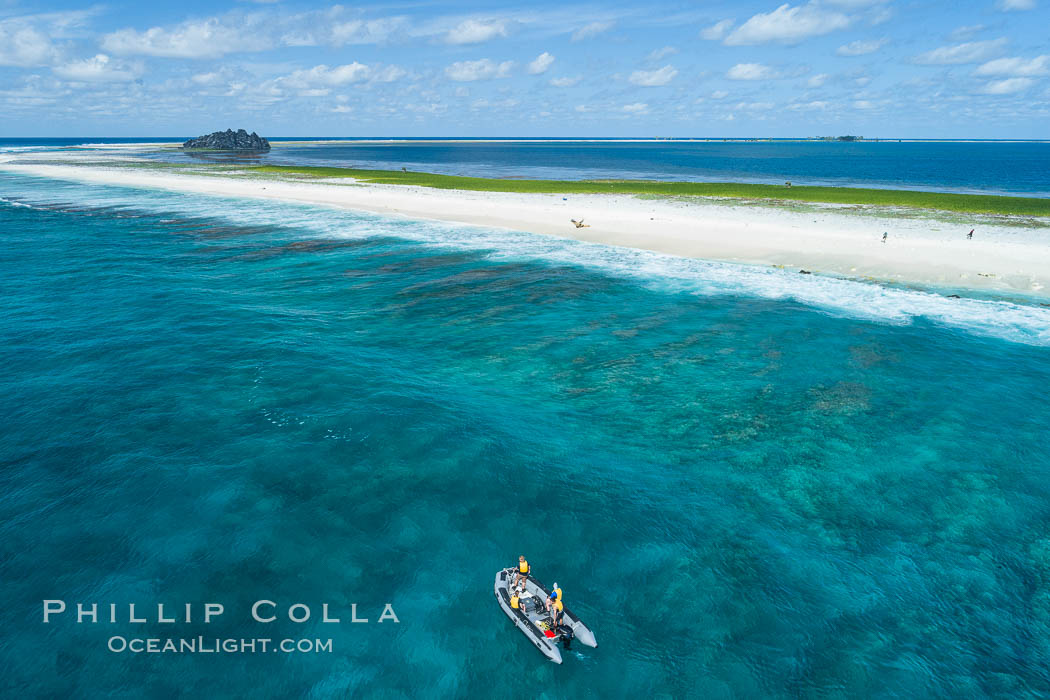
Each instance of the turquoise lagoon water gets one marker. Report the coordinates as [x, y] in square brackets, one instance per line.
[750, 483]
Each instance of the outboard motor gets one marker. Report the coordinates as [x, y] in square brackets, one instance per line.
[567, 635]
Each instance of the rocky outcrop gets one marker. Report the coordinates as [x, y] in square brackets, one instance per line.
[229, 140]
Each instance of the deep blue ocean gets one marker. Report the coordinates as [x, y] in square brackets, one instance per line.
[994, 167]
[750, 483]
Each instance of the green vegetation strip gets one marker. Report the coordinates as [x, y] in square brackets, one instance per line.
[967, 203]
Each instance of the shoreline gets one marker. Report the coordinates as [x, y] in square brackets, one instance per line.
[929, 252]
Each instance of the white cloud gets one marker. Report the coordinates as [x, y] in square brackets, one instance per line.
[388, 74]
[1040, 65]
[754, 106]
[323, 75]
[564, 82]
[208, 38]
[483, 69]
[541, 64]
[817, 80]
[970, 52]
[657, 54]
[342, 109]
[97, 69]
[964, 33]
[474, 31]
[23, 44]
[806, 106]
[860, 47]
[208, 79]
[483, 103]
[1010, 5]
[591, 30]
[719, 95]
[318, 81]
[863, 104]
[856, 4]
[751, 71]
[653, 78]
[716, 31]
[1007, 87]
[636, 108]
[787, 25]
[374, 31]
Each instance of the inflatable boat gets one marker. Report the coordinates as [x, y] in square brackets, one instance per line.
[532, 619]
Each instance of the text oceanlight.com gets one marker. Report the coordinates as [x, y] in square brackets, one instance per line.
[202, 645]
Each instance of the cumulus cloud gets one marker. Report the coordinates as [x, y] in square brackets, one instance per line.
[564, 82]
[636, 108]
[653, 78]
[210, 78]
[1007, 87]
[387, 74]
[970, 52]
[817, 80]
[209, 38]
[541, 64]
[754, 106]
[591, 30]
[1012, 5]
[860, 47]
[356, 32]
[657, 54]
[787, 25]
[967, 32]
[475, 31]
[23, 43]
[97, 69]
[751, 71]
[716, 31]
[1040, 65]
[719, 95]
[319, 81]
[323, 75]
[483, 69]
[807, 106]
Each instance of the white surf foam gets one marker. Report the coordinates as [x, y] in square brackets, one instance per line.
[1029, 324]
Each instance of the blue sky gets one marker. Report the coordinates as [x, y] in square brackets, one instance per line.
[879, 68]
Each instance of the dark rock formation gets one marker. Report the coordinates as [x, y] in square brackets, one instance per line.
[229, 140]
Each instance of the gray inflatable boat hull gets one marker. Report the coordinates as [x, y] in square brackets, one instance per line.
[532, 615]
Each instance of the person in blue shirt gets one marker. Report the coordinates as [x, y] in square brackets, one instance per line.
[554, 604]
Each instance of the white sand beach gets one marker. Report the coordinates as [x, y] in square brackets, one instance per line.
[820, 239]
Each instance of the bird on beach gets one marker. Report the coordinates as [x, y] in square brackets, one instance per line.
[885, 235]
[579, 224]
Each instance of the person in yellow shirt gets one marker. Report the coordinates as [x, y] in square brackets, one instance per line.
[554, 599]
[555, 606]
[523, 571]
[557, 613]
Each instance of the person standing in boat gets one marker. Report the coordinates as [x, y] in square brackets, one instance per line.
[523, 571]
[554, 599]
